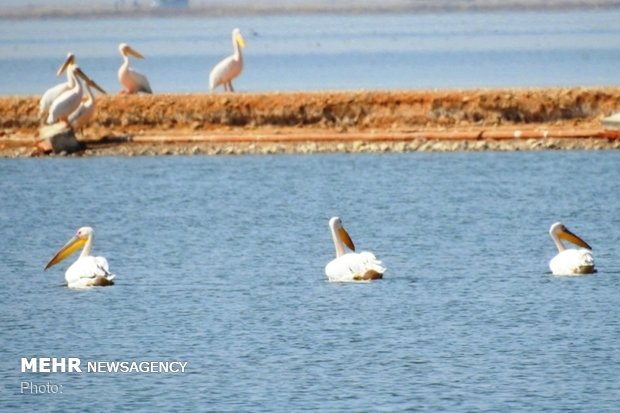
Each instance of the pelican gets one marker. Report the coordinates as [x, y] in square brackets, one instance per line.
[86, 271]
[351, 266]
[52, 93]
[132, 81]
[226, 70]
[86, 110]
[570, 261]
[70, 99]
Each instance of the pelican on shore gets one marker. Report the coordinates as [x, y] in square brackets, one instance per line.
[52, 93]
[131, 80]
[86, 271]
[351, 266]
[84, 113]
[70, 99]
[570, 261]
[226, 70]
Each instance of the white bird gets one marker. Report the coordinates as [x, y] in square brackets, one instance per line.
[226, 70]
[86, 271]
[351, 266]
[69, 100]
[52, 93]
[570, 261]
[132, 81]
[84, 113]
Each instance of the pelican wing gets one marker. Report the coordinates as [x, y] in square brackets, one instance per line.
[89, 271]
[49, 96]
[573, 262]
[82, 114]
[137, 82]
[355, 267]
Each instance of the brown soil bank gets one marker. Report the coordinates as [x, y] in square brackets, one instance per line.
[325, 121]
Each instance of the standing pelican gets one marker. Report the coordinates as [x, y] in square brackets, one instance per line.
[351, 266]
[132, 81]
[69, 100]
[86, 110]
[52, 93]
[86, 271]
[225, 71]
[570, 261]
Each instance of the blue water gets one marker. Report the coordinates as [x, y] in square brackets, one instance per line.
[319, 52]
[219, 263]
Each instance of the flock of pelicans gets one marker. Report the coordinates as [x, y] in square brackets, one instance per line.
[91, 271]
[67, 103]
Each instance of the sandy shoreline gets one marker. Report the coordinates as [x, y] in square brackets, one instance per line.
[308, 122]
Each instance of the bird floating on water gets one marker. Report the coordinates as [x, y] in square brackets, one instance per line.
[87, 270]
[351, 266]
[131, 80]
[570, 261]
[229, 68]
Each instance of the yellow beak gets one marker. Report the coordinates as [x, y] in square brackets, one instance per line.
[133, 52]
[70, 247]
[65, 65]
[240, 40]
[344, 236]
[570, 237]
[88, 80]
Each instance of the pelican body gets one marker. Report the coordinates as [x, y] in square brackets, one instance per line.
[87, 270]
[226, 70]
[350, 266]
[85, 111]
[570, 261]
[52, 93]
[131, 80]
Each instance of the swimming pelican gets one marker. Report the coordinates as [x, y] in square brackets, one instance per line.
[86, 271]
[225, 71]
[86, 110]
[351, 266]
[132, 81]
[570, 261]
[52, 93]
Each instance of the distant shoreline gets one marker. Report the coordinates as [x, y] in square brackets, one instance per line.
[250, 9]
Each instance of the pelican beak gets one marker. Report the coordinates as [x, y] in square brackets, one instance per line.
[70, 247]
[344, 236]
[65, 65]
[88, 80]
[570, 237]
[133, 52]
[240, 40]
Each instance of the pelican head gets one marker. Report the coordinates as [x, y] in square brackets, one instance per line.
[237, 38]
[339, 233]
[68, 61]
[78, 241]
[125, 50]
[558, 230]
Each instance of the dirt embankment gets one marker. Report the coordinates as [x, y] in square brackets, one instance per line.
[326, 121]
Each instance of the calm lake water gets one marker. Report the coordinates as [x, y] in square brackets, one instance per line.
[220, 260]
[319, 52]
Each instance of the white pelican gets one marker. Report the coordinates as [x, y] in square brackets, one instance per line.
[570, 261]
[225, 71]
[86, 110]
[132, 81]
[70, 99]
[351, 266]
[52, 93]
[86, 271]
